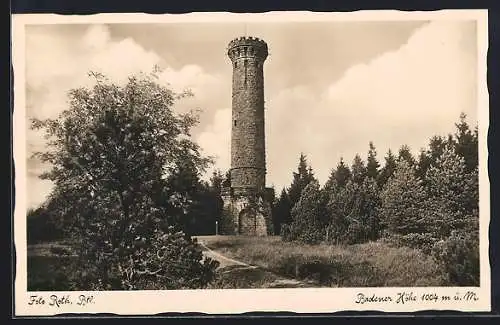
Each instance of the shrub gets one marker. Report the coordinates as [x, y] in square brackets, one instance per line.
[459, 255]
[168, 260]
[422, 241]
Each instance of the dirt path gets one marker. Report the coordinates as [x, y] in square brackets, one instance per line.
[229, 265]
[223, 260]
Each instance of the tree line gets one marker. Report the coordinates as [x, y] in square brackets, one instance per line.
[429, 202]
[128, 193]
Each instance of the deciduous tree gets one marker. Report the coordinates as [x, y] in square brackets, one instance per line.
[125, 163]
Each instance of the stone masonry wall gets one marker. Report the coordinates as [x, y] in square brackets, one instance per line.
[248, 131]
[245, 215]
[245, 212]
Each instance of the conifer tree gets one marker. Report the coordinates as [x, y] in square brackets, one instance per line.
[301, 179]
[331, 182]
[369, 204]
[466, 143]
[405, 154]
[453, 194]
[342, 173]
[358, 170]
[423, 164]
[339, 207]
[430, 156]
[372, 165]
[281, 211]
[402, 204]
[388, 169]
[309, 216]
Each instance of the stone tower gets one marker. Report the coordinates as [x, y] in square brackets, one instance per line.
[247, 201]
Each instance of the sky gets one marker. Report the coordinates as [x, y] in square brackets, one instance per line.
[330, 87]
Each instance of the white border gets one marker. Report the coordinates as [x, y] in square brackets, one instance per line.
[244, 300]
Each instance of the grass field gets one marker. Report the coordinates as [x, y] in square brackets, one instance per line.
[373, 264]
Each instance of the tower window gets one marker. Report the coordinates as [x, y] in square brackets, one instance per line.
[234, 122]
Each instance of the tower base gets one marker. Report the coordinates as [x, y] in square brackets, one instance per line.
[245, 213]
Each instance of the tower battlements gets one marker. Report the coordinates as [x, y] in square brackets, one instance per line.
[247, 47]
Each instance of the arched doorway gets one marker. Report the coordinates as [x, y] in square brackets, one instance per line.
[246, 222]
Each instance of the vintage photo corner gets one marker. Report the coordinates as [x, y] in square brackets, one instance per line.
[251, 156]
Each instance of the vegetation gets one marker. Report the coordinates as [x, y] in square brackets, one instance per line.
[359, 265]
[126, 185]
[429, 203]
[128, 198]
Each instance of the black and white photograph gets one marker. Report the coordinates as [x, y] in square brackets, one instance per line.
[244, 155]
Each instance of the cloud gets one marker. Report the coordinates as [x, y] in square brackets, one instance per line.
[215, 140]
[58, 60]
[400, 97]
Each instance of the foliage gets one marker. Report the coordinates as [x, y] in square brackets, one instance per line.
[281, 210]
[453, 195]
[466, 143]
[291, 195]
[402, 210]
[353, 213]
[301, 178]
[388, 169]
[372, 165]
[127, 169]
[358, 169]
[405, 154]
[308, 216]
[459, 256]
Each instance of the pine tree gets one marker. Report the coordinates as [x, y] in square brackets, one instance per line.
[388, 169]
[423, 164]
[309, 216]
[372, 165]
[369, 210]
[403, 205]
[331, 182]
[301, 179]
[466, 143]
[281, 211]
[342, 173]
[437, 145]
[358, 170]
[453, 194]
[339, 207]
[430, 156]
[405, 154]
[353, 212]
[453, 208]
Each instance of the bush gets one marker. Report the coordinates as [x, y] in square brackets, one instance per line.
[168, 260]
[459, 255]
[423, 241]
